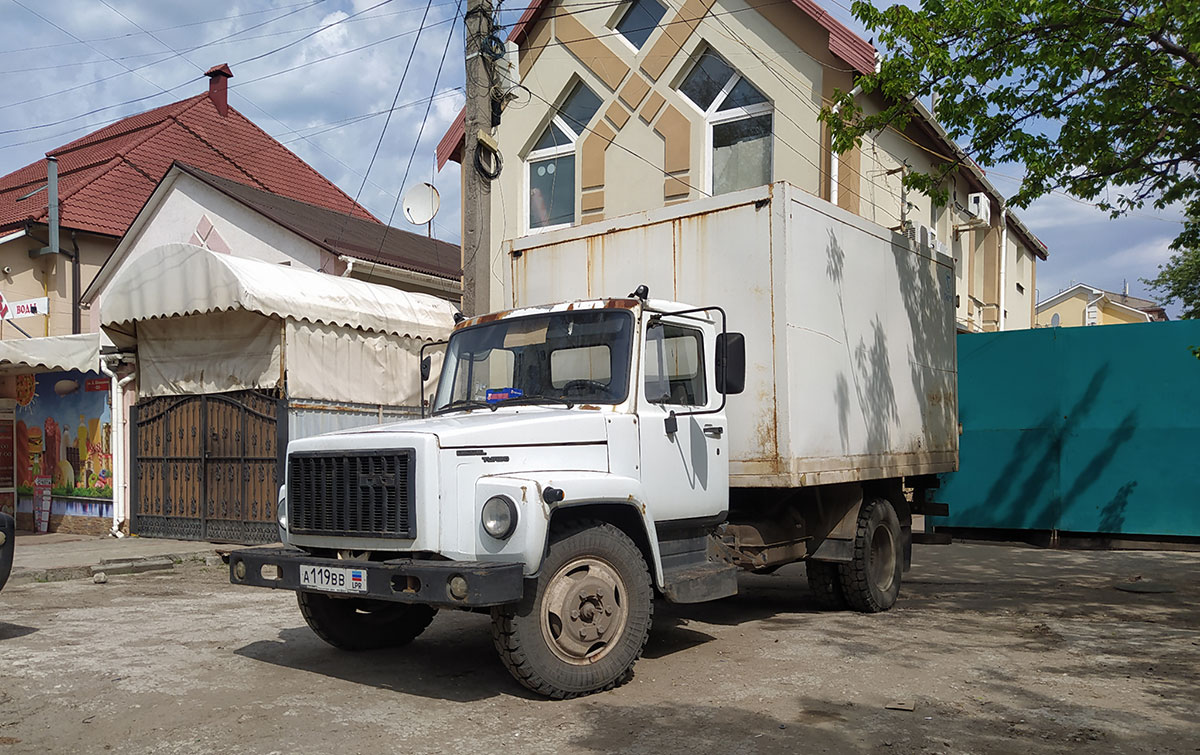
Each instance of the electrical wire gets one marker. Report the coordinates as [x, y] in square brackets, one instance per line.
[268, 35]
[138, 99]
[165, 28]
[412, 156]
[189, 81]
[383, 132]
[621, 146]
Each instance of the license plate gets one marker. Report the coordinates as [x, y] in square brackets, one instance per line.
[333, 579]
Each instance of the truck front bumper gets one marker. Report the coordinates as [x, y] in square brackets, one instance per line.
[401, 580]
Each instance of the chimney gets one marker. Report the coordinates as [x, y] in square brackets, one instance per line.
[218, 87]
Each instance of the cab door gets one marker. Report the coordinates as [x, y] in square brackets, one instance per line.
[685, 473]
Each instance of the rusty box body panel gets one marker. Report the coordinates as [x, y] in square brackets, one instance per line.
[849, 326]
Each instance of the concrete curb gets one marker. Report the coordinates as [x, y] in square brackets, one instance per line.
[112, 567]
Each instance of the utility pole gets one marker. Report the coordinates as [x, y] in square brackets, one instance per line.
[476, 186]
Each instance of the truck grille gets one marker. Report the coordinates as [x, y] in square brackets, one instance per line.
[356, 494]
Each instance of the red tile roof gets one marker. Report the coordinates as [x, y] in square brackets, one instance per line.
[106, 176]
[842, 42]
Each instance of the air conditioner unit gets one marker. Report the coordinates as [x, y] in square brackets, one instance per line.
[980, 205]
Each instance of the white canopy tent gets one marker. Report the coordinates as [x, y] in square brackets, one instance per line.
[204, 322]
[50, 354]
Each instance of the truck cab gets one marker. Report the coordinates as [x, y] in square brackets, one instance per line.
[574, 461]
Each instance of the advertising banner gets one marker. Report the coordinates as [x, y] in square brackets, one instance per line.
[62, 434]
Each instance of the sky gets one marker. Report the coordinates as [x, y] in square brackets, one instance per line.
[325, 93]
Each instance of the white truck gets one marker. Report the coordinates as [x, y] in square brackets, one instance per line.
[583, 458]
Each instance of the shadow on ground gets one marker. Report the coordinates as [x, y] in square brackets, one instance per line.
[12, 631]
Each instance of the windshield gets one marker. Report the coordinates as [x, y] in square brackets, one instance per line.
[563, 357]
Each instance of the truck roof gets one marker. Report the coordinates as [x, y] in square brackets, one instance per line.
[631, 302]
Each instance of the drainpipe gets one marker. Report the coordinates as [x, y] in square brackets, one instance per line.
[1003, 260]
[120, 494]
[52, 211]
[76, 317]
[833, 156]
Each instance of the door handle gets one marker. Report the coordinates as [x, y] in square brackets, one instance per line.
[713, 431]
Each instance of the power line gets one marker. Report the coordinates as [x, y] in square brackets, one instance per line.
[232, 86]
[383, 132]
[412, 156]
[268, 35]
[132, 70]
[165, 28]
[19, 4]
[318, 31]
[619, 146]
[339, 54]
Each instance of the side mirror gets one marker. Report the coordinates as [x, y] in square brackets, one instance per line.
[426, 363]
[731, 363]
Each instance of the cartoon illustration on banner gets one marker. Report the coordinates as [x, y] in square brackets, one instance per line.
[62, 434]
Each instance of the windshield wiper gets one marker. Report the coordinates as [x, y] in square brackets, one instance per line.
[538, 399]
[465, 403]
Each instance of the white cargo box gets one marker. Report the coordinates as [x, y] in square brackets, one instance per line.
[849, 326]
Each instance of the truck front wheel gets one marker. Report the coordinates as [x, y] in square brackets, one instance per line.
[361, 623]
[583, 625]
[871, 580]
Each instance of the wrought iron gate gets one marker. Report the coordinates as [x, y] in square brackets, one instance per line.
[208, 467]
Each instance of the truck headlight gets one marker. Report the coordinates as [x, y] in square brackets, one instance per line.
[281, 507]
[499, 516]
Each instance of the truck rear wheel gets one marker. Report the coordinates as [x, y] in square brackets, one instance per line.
[871, 580]
[361, 623]
[585, 621]
[825, 581]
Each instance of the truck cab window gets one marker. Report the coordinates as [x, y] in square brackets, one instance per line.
[590, 363]
[675, 366]
[578, 357]
[479, 370]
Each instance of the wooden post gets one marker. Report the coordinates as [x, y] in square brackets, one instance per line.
[476, 188]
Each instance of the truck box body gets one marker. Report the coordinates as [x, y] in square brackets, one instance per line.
[849, 326]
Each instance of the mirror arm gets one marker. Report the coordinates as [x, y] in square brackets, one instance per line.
[423, 375]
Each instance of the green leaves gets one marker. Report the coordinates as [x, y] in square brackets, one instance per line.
[1098, 98]
[1179, 279]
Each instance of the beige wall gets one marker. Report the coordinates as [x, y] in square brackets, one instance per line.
[49, 276]
[1111, 315]
[650, 146]
[1072, 312]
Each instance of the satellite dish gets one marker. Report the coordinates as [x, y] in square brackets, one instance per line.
[421, 203]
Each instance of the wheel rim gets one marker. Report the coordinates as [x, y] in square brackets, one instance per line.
[883, 558]
[584, 612]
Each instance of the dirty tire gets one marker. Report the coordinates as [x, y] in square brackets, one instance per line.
[361, 623]
[871, 580]
[585, 620]
[825, 581]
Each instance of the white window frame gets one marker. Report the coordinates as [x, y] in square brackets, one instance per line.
[714, 118]
[621, 13]
[542, 154]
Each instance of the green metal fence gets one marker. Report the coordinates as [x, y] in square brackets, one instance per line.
[1083, 430]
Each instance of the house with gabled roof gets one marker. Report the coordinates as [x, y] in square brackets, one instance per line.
[193, 206]
[106, 178]
[627, 107]
[1082, 304]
